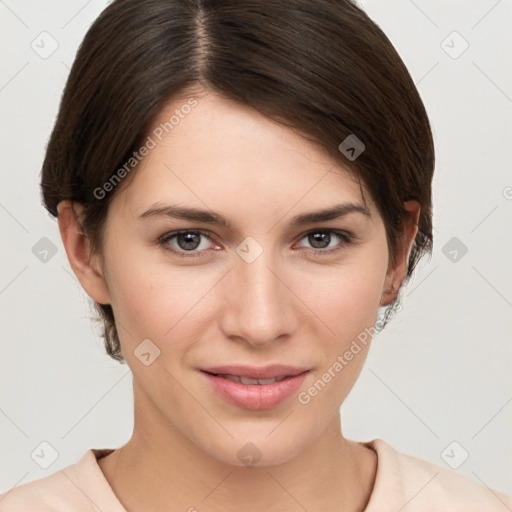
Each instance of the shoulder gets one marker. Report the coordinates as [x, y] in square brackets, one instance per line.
[53, 492]
[73, 487]
[431, 483]
[423, 486]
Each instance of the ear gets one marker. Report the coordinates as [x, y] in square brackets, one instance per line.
[396, 273]
[86, 267]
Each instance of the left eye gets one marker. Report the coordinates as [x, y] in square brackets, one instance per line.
[322, 238]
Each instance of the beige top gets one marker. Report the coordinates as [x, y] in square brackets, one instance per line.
[403, 483]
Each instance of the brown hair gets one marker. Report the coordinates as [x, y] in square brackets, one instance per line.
[322, 68]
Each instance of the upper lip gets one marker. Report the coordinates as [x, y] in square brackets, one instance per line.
[256, 372]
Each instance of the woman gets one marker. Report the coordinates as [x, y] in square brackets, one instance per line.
[241, 187]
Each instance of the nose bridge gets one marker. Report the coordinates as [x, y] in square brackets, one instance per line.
[258, 302]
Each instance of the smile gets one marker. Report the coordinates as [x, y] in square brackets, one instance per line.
[255, 394]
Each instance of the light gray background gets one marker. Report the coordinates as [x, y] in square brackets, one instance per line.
[440, 372]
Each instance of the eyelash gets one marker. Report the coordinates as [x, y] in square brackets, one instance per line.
[344, 237]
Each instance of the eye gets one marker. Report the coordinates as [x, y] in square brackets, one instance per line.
[192, 242]
[185, 243]
[327, 241]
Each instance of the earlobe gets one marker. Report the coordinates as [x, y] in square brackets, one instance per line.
[397, 272]
[86, 266]
[390, 291]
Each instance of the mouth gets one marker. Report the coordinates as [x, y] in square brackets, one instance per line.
[255, 388]
[256, 373]
[248, 381]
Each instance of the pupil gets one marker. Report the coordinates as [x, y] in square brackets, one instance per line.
[320, 238]
[189, 243]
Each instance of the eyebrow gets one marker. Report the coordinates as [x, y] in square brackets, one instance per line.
[210, 217]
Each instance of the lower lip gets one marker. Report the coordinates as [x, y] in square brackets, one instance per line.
[256, 396]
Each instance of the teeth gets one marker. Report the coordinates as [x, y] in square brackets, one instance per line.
[266, 381]
[246, 380]
[231, 377]
[250, 382]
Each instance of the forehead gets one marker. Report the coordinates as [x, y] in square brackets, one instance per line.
[218, 153]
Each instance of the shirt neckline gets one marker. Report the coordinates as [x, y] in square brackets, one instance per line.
[386, 492]
[87, 476]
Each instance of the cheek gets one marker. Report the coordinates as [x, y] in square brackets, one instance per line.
[347, 302]
[155, 300]
[346, 297]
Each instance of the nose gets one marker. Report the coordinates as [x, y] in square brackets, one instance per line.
[259, 306]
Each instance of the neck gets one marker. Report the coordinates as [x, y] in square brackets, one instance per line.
[159, 468]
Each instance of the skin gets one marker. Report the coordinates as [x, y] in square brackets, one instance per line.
[291, 306]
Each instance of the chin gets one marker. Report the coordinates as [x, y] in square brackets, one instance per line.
[256, 450]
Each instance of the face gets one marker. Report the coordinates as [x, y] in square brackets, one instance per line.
[266, 286]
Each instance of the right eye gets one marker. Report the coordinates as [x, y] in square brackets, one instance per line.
[185, 242]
